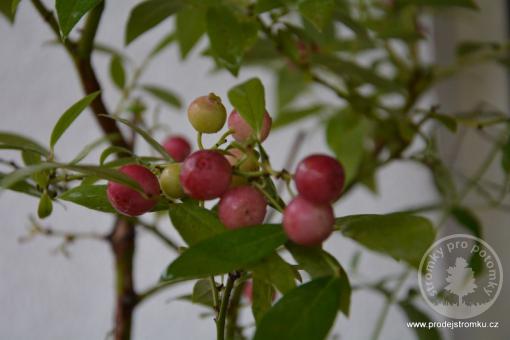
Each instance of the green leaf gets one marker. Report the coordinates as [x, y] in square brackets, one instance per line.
[266, 5]
[439, 3]
[89, 147]
[447, 121]
[11, 179]
[145, 135]
[22, 187]
[166, 41]
[190, 26]
[6, 8]
[71, 11]
[305, 313]
[415, 315]
[226, 252]
[262, 297]
[345, 135]
[202, 293]
[466, 218]
[400, 235]
[230, 35]
[318, 263]
[194, 223]
[69, 116]
[90, 196]
[289, 116]
[166, 96]
[117, 72]
[274, 270]
[505, 158]
[249, 100]
[318, 12]
[149, 14]
[45, 206]
[9, 139]
[113, 150]
[291, 83]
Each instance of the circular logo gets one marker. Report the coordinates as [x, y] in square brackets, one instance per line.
[460, 276]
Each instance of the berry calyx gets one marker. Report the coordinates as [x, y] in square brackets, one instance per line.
[243, 132]
[307, 223]
[207, 114]
[320, 178]
[169, 181]
[205, 175]
[129, 201]
[243, 161]
[177, 147]
[242, 207]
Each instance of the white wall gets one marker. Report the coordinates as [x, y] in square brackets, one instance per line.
[49, 297]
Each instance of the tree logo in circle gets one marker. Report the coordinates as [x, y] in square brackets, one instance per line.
[460, 276]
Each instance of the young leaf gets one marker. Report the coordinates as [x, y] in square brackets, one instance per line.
[117, 72]
[400, 235]
[19, 175]
[69, 116]
[262, 296]
[166, 96]
[71, 11]
[249, 100]
[306, 312]
[274, 270]
[202, 293]
[22, 187]
[45, 206]
[225, 252]
[318, 12]
[288, 116]
[230, 35]
[111, 150]
[145, 135]
[149, 14]
[89, 147]
[190, 26]
[194, 223]
[9, 139]
[90, 196]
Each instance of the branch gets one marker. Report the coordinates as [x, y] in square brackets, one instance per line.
[225, 302]
[155, 230]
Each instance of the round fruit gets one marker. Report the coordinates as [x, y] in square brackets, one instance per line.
[205, 175]
[243, 131]
[242, 207]
[169, 181]
[244, 162]
[207, 114]
[308, 223]
[129, 201]
[320, 178]
[177, 147]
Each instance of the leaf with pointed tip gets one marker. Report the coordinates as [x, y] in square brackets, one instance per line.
[274, 270]
[249, 100]
[190, 27]
[69, 117]
[306, 312]
[71, 11]
[117, 72]
[164, 95]
[148, 14]
[16, 141]
[226, 252]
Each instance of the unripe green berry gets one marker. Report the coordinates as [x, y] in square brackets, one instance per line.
[45, 206]
[207, 114]
[169, 181]
[246, 162]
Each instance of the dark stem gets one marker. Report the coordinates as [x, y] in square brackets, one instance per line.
[233, 331]
[122, 241]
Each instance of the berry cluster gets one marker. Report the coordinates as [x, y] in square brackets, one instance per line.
[232, 175]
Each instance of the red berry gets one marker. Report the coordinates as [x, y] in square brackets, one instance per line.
[205, 175]
[242, 207]
[243, 131]
[308, 223]
[128, 201]
[320, 178]
[177, 147]
[207, 114]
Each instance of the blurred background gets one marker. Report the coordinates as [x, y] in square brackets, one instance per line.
[48, 296]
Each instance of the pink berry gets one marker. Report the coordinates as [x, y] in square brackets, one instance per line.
[242, 207]
[320, 178]
[205, 175]
[243, 131]
[128, 201]
[177, 147]
[308, 223]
